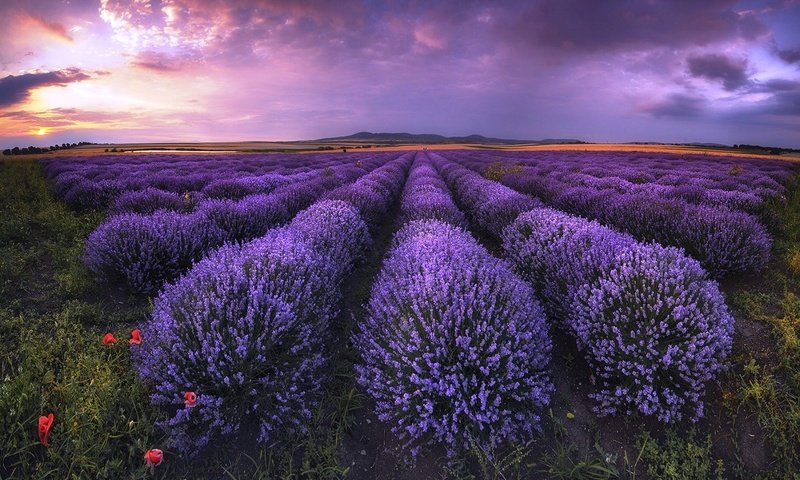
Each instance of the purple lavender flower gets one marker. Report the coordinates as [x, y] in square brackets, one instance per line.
[144, 251]
[656, 331]
[246, 328]
[652, 326]
[453, 349]
[151, 200]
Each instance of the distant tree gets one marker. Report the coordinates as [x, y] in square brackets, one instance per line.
[7, 151]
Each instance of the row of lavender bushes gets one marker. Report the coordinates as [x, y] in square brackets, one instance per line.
[94, 183]
[652, 326]
[247, 328]
[143, 251]
[725, 241]
[735, 183]
[454, 350]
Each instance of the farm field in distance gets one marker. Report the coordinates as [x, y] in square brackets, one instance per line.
[403, 312]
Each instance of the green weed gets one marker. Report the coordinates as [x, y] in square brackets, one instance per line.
[683, 457]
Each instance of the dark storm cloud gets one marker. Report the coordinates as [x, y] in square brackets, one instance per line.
[16, 88]
[678, 105]
[730, 71]
[791, 55]
[575, 25]
[785, 100]
[777, 85]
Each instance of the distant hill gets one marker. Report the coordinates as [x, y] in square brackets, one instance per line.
[433, 138]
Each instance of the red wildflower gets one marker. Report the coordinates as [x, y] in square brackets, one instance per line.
[153, 457]
[44, 428]
[190, 399]
[108, 339]
[136, 337]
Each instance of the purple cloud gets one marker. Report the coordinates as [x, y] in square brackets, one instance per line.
[791, 55]
[678, 105]
[16, 89]
[731, 72]
[581, 26]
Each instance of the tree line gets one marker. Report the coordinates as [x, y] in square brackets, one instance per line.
[31, 150]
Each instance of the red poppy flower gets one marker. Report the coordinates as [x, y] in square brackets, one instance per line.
[136, 337]
[153, 457]
[190, 399]
[44, 428]
[108, 339]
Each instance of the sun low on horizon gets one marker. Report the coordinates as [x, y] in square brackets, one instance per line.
[188, 70]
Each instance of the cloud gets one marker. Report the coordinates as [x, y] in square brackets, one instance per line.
[587, 26]
[785, 100]
[677, 105]
[16, 89]
[731, 72]
[777, 85]
[161, 62]
[785, 103]
[54, 28]
[791, 55]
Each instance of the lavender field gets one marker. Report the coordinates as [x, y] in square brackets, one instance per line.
[405, 314]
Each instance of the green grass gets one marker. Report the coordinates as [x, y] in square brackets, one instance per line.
[767, 384]
[680, 456]
[51, 359]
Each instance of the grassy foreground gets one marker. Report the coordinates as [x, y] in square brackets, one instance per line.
[53, 317]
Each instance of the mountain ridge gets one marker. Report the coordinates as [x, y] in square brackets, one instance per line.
[432, 138]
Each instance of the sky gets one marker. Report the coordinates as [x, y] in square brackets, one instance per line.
[715, 71]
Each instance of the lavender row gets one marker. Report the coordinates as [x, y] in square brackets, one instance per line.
[726, 242]
[90, 185]
[85, 183]
[373, 194]
[727, 181]
[653, 327]
[145, 251]
[115, 167]
[246, 329]
[453, 349]
[426, 197]
[489, 205]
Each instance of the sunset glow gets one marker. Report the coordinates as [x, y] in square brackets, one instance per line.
[141, 70]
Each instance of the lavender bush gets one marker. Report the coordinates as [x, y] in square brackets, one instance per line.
[651, 324]
[237, 188]
[145, 251]
[556, 253]
[453, 349]
[91, 194]
[151, 200]
[246, 328]
[656, 331]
